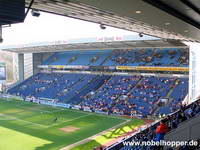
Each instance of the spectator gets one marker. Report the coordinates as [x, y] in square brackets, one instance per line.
[161, 130]
[174, 122]
[181, 116]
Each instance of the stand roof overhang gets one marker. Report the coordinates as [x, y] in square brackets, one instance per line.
[98, 44]
[169, 19]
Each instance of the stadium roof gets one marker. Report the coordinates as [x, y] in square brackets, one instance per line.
[170, 19]
[99, 43]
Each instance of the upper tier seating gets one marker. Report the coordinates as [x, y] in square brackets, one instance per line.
[92, 58]
[135, 57]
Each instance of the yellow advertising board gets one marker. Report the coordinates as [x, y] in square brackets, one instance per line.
[149, 68]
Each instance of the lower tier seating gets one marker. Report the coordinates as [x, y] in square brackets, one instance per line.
[127, 95]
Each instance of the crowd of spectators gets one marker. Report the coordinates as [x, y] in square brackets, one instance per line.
[106, 98]
[157, 131]
[45, 85]
[132, 57]
[131, 95]
[176, 97]
[123, 95]
[126, 57]
[151, 57]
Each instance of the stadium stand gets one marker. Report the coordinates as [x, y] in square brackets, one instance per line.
[134, 57]
[129, 95]
[125, 95]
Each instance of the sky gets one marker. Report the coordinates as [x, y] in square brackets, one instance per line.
[49, 27]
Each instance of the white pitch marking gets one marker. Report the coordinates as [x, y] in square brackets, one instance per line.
[14, 118]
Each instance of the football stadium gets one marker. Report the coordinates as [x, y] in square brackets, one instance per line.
[126, 92]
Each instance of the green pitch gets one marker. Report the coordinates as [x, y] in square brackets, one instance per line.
[28, 126]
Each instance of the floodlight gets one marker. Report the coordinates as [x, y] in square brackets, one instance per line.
[35, 13]
[102, 26]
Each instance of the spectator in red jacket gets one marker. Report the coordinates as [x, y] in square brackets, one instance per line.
[161, 130]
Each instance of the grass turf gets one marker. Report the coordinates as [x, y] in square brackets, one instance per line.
[110, 135]
[30, 126]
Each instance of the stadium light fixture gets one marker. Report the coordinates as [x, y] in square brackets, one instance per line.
[102, 26]
[141, 35]
[167, 23]
[138, 12]
[35, 13]
[165, 40]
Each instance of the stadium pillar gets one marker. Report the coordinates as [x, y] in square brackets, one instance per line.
[21, 67]
[194, 78]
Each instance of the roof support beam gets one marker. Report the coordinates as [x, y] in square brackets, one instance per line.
[28, 9]
[173, 12]
[192, 6]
